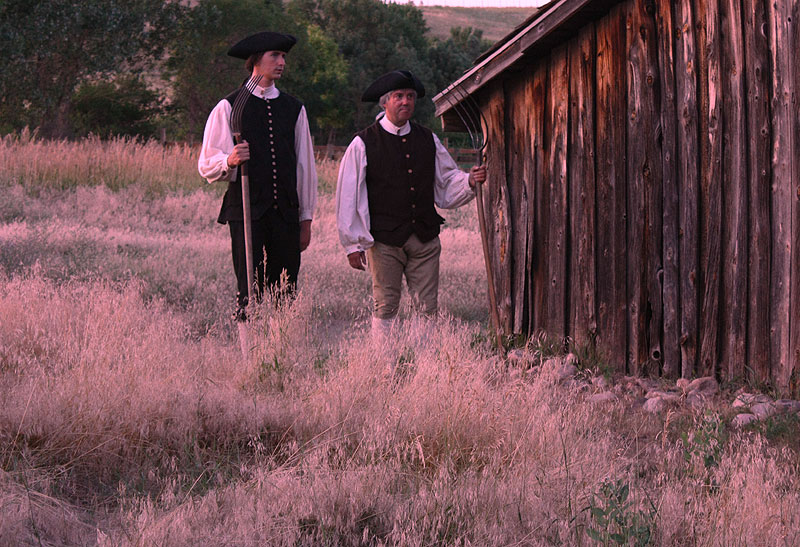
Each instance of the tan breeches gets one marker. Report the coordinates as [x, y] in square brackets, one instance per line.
[420, 264]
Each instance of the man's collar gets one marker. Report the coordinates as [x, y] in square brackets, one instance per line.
[393, 129]
[270, 92]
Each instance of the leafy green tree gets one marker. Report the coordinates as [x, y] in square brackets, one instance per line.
[202, 73]
[122, 106]
[325, 85]
[50, 46]
[70, 68]
[374, 38]
[450, 58]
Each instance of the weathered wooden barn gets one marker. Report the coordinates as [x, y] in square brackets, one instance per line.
[644, 192]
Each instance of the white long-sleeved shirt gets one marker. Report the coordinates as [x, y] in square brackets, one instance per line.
[218, 145]
[451, 188]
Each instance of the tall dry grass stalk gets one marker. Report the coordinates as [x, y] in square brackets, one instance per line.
[128, 417]
[121, 162]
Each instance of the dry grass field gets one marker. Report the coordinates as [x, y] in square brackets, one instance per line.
[494, 22]
[128, 416]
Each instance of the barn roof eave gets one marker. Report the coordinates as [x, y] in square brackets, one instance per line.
[554, 23]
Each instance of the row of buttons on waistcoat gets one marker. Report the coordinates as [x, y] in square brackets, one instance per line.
[414, 197]
[274, 164]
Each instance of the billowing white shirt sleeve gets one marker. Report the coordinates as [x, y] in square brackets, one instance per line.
[217, 145]
[352, 207]
[451, 187]
[306, 168]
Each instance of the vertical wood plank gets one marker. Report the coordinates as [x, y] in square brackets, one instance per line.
[636, 263]
[537, 220]
[581, 303]
[670, 228]
[710, 101]
[558, 112]
[644, 194]
[779, 15]
[759, 176]
[519, 163]
[688, 174]
[497, 203]
[611, 187]
[794, 312]
[733, 300]
[652, 174]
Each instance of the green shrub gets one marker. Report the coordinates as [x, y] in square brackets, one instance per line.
[123, 106]
[615, 518]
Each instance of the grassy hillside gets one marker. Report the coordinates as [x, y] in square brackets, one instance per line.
[495, 22]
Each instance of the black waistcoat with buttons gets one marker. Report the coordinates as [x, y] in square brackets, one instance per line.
[268, 126]
[400, 177]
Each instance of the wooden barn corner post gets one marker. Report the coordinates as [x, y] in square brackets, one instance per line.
[497, 205]
[521, 158]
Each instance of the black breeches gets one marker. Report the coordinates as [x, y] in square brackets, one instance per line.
[280, 239]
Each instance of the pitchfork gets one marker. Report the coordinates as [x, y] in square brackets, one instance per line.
[236, 128]
[471, 116]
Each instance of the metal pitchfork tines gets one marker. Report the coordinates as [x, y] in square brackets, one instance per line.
[236, 128]
[471, 116]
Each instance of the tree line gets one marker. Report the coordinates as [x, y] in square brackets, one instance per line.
[151, 67]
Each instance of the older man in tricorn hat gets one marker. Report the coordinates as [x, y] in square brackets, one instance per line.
[277, 145]
[390, 178]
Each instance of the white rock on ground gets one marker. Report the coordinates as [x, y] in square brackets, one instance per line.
[552, 363]
[667, 396]
[654, 405]
[567, 371]
[604, 397]
[647, 384]
[764, 410]
[520, 358]
[788, 405]
[697, 400]
[600, 382]
[706, 385]
[742, 420]
[747, 399]
[652, 396]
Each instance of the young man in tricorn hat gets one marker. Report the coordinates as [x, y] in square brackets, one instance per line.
[390, 177]
[277, 145]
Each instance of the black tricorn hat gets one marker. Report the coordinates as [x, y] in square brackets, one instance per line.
[262, 41]
[396, 79]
